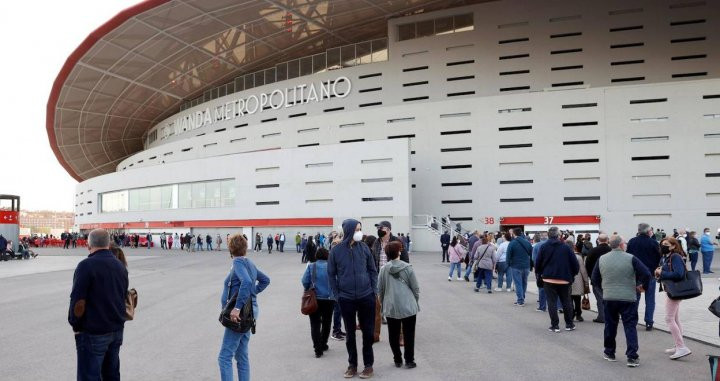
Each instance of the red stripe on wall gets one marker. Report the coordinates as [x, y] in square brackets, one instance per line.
[319, 221]
[550, 220]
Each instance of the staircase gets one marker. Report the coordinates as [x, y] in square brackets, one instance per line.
[436, 225]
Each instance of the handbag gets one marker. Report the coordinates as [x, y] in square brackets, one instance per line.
[131, 300]
[585, 303]
[246, 321]
[477, 261]
[715, 307]
[688, 287]
[308, 302]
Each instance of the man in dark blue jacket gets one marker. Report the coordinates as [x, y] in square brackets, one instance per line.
[647, 250]
[97, 310]
[353, 283]
[557, 265]
[518, 256]
[445, 244]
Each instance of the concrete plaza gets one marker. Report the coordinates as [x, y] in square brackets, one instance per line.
[461, 334]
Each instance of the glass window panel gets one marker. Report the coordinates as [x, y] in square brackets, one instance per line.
[379, 49]
[185, 196]
[133, 199]
[281, 72]
[249, 81]
[113, 202]
[166, 197]
[228, 193]
[333, 59]
[364, 52]
[223, 91]
[259, 79]
[305, 66]
[318, 63]
[213, 197]
[425, 28]
[464, 22]
[239, 84]
[444, 25]
[155, 198]
[215, 93]
[406, 32]
[198, 195]
[230, 87]
[270, 76]
[293, 69]
[207, 95]
[347, 55]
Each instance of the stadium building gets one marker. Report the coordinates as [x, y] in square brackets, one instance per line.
[284, 115]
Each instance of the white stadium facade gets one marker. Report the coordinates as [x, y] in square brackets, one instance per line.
[282, 116]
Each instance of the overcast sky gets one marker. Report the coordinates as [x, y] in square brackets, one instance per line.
[37, 38]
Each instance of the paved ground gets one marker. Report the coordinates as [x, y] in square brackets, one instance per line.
[461, 334]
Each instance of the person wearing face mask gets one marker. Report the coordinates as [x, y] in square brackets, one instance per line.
[385, 236]
[707, 247]
[672, 268]
[353, 283]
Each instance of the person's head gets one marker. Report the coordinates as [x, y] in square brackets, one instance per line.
[369, 240]
[322, 254]
[536, 238]
[352, 230]
[570, 241]
[237, 245]
[692, 233]
[553, 232]
[507, 236]
[484, 241]
[706, 231]
[98, 239]
[384, 229]
[603, 238]
[393, 249]
[644, 228]
[454, 241]
[617, 242]
[673, 246]
[517, 232]
[119, 254]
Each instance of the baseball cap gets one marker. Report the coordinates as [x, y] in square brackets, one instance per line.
[384, 224]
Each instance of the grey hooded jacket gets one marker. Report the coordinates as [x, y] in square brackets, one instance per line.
[398, 290]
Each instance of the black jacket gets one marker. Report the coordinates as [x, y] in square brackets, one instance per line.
[445, 240]
[377, 246]
[594, 255]
[646, 249]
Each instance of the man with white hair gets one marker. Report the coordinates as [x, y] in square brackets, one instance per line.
[647, 250]
[97, 310]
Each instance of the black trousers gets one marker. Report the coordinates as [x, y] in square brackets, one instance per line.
[408, 331]
[445, 256]
[320, 324]
[577, 307]
[552, 292]
[364, 311]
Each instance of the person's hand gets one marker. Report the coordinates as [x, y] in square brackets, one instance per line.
[657, 272]
[640, 289]
[235, 315]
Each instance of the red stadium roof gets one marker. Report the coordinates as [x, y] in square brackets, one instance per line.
[138, 68]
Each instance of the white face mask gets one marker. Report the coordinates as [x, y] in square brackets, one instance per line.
[357, 237]
[707, 233]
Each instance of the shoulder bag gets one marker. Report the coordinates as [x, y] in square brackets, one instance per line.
[308, 303]
[247, 317]
[477, 261]
[688, 287]
[131, 300]
[585, 303]
[715, 307]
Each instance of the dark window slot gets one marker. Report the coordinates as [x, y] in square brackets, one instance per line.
[625, 11]
[687, 22]
[689, 39]
[514, 88]
[457, 63]
[626, 28]
[203, 134]
[297, 115]
[412, 152]
[715, 174]
[415, 98]
[267, 203]
[515, 128]
[708, 214]
[578, 142]
[308, 145]
[691, 4]
[528, 199]
[415, 68]
[565, 18]
[630, 45]
[578, 161]
[267, 186]
[571, 67]
[654, 100]
[457, 132]
[644, 158]
[377, 198]
[628, 79]
[465, 184]
[412, 169]
[506, 146]
[413, 185]
[690, 57]
[455, 149]
[502, 42]
[456, 202]
[369, 75]
[562, 35]
[183, 150]
[401, 136]
[630, 62]
[461, 78]
[582, 198]
[370, 90]
[352, 141]
[334, 109]
[453, 218]
[459, 166]
[241, 125]
[580, 105]
[267, 108]
[514, 56]
[711, 96]
[561, 84]
[685, 75]
[505, 182]
[415, 83]
[268, 120]
[370, 104]
[220, 130]
[514, 72]
[461, 93]
[566, 51]
[579, 124]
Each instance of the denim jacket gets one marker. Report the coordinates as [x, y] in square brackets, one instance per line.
[322, 283]
[245, 279]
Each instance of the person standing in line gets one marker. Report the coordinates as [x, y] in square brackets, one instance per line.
[303, 242]
[193, 243]
[484, 254]
[316, 276]
[163, 241]
[282, 242]
[707, 247]
[176, 239]
[647, 250]
[693, 249]
[170, 241]
[309, 252]
[672, 268]
[444, 244]
[399, 294]
[182, 241]
[457, 254]
[277, 242]
[621, 275]
[270, 243]
[218, 240]
[503, 269]
[557, 266]
[580, 286]
[593, 256]
[540, 239]
[200, 242]
[519, 253]
[246, 281]
[298, 242]
[353, 281]
[258, 242]
[149, 238]
[97, 310]
[208, 242]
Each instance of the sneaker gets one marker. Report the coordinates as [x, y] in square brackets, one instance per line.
[608, 357]
[598, 321]
[648, 327]
[498, 289]
[515, 304]
[580, 318]
[466, 278]
[521, 304]
[398, 364]
[477, 289]
[489, 291]
[508, 290]
[458, 278]
[449, 279]
[410, 365]
[350, 372]
[318, 355]
[570, 328]
[554, 329]
[337, 336]
[539, 310]
[367, 373]
[633, 363]
[681, 352]
[670, 351]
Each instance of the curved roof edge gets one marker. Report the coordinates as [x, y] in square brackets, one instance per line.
[73, 59]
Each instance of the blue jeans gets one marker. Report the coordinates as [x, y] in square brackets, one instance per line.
[693, 259]
[649, 301]
[520, 277]
[484, 275]
[503, 272]
[627, 311]
[98, 356]
[468, 270]
[337, 322]
[209, 246]
[542, 299]
[707, 257]
[454, 266]
[234, 344]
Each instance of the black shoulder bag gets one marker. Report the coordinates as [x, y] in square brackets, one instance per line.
[688, 287]
[247, 317]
